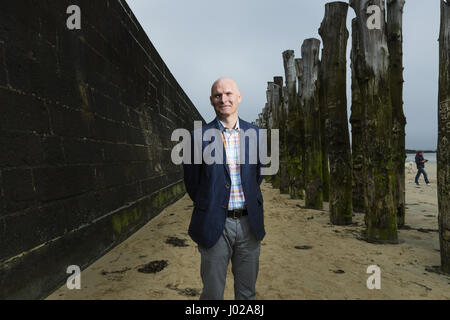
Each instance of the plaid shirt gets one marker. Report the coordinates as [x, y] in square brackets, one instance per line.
[231, 139]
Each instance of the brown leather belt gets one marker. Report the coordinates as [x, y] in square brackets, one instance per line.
[237, 213]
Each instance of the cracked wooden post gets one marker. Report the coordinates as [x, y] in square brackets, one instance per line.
[443, 154]
[279, 82]
[324, 141]
[290, 99]
[269, 106]
[277, 115]
[373, 80]
[275, 104]
[291, 82]
[296, 141]
[272, 121]
[284, 176]
[292, 141]
[281, 180]
[395, 44]
[333, 69]
[356, 120]
[310, 104]
[266, 122]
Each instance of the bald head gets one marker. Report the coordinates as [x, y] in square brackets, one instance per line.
[224, 80]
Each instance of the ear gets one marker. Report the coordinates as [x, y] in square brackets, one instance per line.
[211, 101]
[239, 97]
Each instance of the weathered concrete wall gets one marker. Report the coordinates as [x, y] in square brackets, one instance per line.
[85, 125]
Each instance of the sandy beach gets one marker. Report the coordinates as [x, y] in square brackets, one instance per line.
[303, 256]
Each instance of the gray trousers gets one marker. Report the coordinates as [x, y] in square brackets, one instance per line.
[240, 245]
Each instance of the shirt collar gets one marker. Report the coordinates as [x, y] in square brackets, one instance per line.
[222, 127]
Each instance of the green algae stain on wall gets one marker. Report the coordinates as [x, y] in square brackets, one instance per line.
[127, 217]
[125, 220]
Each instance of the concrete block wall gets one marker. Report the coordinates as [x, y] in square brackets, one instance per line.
[86, 118]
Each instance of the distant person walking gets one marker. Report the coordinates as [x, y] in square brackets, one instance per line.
[420, 162]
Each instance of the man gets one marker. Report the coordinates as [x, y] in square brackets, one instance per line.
[420, 162]
[227, 221]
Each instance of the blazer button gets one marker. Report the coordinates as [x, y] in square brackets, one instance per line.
[224, 206]
[228, 186]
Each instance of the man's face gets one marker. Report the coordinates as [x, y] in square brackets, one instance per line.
[225, 97]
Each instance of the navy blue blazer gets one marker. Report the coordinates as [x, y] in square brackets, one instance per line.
[208, 185]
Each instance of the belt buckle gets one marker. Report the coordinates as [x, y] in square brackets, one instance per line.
[234, 214]
[237, 213]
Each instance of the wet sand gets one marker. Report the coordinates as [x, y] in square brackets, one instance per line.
[330, 262]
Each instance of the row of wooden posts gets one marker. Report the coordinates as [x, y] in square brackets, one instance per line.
[317, 161]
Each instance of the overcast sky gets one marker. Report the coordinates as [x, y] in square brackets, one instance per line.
[202, 40]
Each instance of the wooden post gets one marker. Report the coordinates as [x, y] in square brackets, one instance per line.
[374, 83]
[281, 180]
[272, 119]
[267, 120]
[324, 141]
[395, 44]
[291, 83]
[293, 129]
[310, 104]
[296, 141]
[291, 98]
[279, 82]
[333, 78]
[443, 154]
[270, 106]
[357, 121]
[284, 176]
[277, 115]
